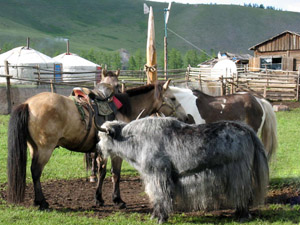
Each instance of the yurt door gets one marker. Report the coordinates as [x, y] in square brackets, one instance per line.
[57, 72]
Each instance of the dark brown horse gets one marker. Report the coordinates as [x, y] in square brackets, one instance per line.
[256, 112]
[112, 78]
[48, 120]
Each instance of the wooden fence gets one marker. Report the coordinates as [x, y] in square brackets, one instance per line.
[272, 85]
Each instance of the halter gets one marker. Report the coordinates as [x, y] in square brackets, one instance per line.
[174, 108]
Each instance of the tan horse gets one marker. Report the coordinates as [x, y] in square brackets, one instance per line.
[48, 120]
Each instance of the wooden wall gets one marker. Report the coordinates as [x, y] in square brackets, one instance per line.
[284, 42]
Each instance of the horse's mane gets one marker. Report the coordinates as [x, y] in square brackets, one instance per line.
[126, 106]
[199, 93]
[126, 109]
[140, 90]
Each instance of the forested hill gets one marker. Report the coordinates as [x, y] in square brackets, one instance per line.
[114, 24]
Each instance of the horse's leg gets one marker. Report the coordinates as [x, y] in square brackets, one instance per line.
[116, 164]
[94, 168]
[38, 163]
[101, 175]
[243, 214]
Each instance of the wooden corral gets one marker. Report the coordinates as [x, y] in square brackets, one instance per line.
[270, 84]
[281, 52]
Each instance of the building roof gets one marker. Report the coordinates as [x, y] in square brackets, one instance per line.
[272, 38]
[23, 55]
[73, 60]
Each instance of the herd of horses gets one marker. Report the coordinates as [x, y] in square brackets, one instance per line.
[48, 120]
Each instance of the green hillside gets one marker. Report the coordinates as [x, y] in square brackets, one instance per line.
[114, 24]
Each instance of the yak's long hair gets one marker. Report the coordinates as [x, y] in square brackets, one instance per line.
[192, 167]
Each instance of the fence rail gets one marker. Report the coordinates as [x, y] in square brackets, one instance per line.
[269, 84]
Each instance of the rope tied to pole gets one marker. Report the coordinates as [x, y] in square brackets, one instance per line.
[150, 68]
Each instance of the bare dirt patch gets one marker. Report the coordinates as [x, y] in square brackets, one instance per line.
[78, 195]
[291, 104]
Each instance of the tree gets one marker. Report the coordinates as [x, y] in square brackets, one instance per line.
[116, 61]
[139, 59]
[174, 59]
[191, 57]
[6, 47]
[132, 63]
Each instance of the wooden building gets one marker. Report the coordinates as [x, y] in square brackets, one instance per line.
[281, 52]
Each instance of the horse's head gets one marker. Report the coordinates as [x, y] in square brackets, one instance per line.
[168, 104]
[102, 90]
[111, 78]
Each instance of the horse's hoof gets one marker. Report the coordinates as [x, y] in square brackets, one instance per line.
[99, 203]
[43, 205]
[244, 217]
[121, 205]
[93, 179]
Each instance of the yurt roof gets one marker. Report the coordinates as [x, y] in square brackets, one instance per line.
[72, 60]
[23, 55]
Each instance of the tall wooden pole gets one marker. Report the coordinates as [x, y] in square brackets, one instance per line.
[8, 95]
[165, 58]
[151, 66]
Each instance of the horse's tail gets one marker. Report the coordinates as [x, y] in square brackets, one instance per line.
[260, 171]
[17, 153]
[269, 129]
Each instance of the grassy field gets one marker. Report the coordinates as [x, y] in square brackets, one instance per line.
[121, 24]
[284, 171]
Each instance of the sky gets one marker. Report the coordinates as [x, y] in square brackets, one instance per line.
[285, 5]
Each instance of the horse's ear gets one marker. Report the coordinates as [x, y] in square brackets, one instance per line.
[166, 85]
[104, 72]
[118, 72]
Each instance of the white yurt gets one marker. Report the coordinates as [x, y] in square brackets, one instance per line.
[25, 63]
[224, 67]
[81, 69]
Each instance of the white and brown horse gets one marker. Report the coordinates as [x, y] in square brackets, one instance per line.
[48, 120]
[256, 112]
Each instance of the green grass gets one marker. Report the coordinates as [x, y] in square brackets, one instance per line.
[284, 171]
[112, 25]
[286, 166]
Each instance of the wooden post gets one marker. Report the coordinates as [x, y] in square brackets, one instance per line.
[200, 80]
[187, 74]
[151, 67]
[51, 86]
[231, 85]
[298, 80]
[123, 86]
[265, 91]
[222, 88]
[8, 95]
[165, 58]
[39, 75]
[237, 82]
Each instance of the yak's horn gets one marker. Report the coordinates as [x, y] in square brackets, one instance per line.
[103, 129]
[140, 114]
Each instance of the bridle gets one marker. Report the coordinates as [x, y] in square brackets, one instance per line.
[172, 107]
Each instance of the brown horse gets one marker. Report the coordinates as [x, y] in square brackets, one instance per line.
[112, 78]
[48, 120]
[256, 112]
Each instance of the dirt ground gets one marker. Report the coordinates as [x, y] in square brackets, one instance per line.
[78, 195]
[291, 105]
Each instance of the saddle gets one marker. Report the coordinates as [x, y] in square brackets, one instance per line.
[100, 103]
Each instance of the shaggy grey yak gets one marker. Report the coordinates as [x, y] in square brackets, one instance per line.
[220, 165]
